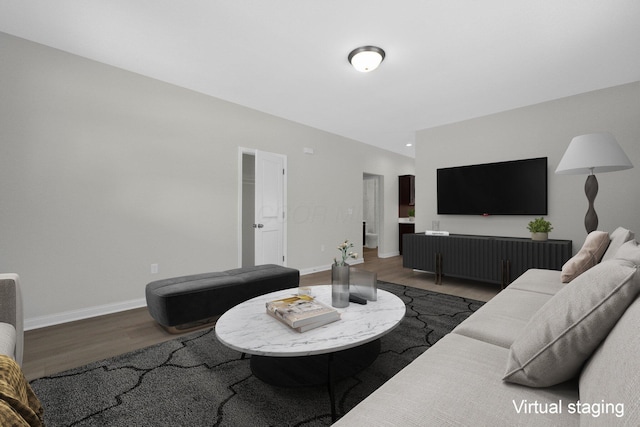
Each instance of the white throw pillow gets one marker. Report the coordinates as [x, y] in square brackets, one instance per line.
[589, 255]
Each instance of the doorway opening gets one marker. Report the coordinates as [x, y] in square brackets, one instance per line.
[247, 210]
[372, 214]
[261, 206]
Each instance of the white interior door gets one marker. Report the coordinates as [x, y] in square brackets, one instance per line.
[269, 208]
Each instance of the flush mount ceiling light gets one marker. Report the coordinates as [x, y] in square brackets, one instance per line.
[366, 58]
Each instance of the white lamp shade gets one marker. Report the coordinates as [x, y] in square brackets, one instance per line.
[366, 58]
[593, 153]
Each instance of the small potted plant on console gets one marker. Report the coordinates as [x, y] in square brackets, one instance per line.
[540, 229]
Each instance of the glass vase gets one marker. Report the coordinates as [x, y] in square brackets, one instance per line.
[339, 286]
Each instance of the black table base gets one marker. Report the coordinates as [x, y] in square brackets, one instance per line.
[321, 369]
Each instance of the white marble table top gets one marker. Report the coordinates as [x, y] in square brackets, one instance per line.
[248, 328]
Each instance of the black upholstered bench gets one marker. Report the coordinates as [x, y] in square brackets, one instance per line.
[186, 302]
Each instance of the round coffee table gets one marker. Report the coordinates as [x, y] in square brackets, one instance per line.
[284, 357]
[249, 329]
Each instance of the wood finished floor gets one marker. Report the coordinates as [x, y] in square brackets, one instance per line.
[58, 348]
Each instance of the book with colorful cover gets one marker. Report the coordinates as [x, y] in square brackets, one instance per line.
[299, 311]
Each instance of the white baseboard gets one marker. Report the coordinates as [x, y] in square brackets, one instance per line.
[388, 255]
[327, 267]
[83, 313]
[312, 270]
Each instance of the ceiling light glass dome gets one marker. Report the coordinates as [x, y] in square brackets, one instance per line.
[366, 58]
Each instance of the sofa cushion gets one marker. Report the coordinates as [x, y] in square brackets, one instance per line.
[589, 255]
[568, 328]
[619, 237]
[501, 320]
[612, 375]
[457, 382]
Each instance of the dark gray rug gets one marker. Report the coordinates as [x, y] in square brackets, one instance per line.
[196, 381]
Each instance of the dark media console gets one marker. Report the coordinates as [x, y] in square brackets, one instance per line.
[484, 258]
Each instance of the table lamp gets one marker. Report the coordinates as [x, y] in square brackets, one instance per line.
[590, 154]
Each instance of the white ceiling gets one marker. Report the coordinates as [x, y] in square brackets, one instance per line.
[447, 60]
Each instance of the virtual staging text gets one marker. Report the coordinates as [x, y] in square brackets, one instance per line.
[596, 409]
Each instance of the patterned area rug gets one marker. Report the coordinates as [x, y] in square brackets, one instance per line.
[196, 381]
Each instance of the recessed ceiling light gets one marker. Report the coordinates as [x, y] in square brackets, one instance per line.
[409, 144]
[366, 58]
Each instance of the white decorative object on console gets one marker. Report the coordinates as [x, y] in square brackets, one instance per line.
[436, 233]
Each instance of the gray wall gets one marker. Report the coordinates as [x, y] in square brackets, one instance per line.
[104, 172]
[542, 130]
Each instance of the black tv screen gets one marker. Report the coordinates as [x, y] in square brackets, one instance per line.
[517, 187]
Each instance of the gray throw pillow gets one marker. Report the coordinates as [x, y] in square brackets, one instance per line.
[562, 335]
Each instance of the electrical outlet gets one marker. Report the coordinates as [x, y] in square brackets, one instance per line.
[154, 268]
[321, 248]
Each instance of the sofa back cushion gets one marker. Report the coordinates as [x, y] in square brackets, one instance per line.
[618, 238]
[11, 310]
[610, 380]
[7, 339]
[8, 300]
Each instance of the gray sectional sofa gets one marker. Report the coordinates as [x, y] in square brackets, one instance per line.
[540, 353]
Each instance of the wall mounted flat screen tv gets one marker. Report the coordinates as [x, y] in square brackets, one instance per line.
[517, 187]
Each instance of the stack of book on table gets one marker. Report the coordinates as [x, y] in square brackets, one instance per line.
[302, 312]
